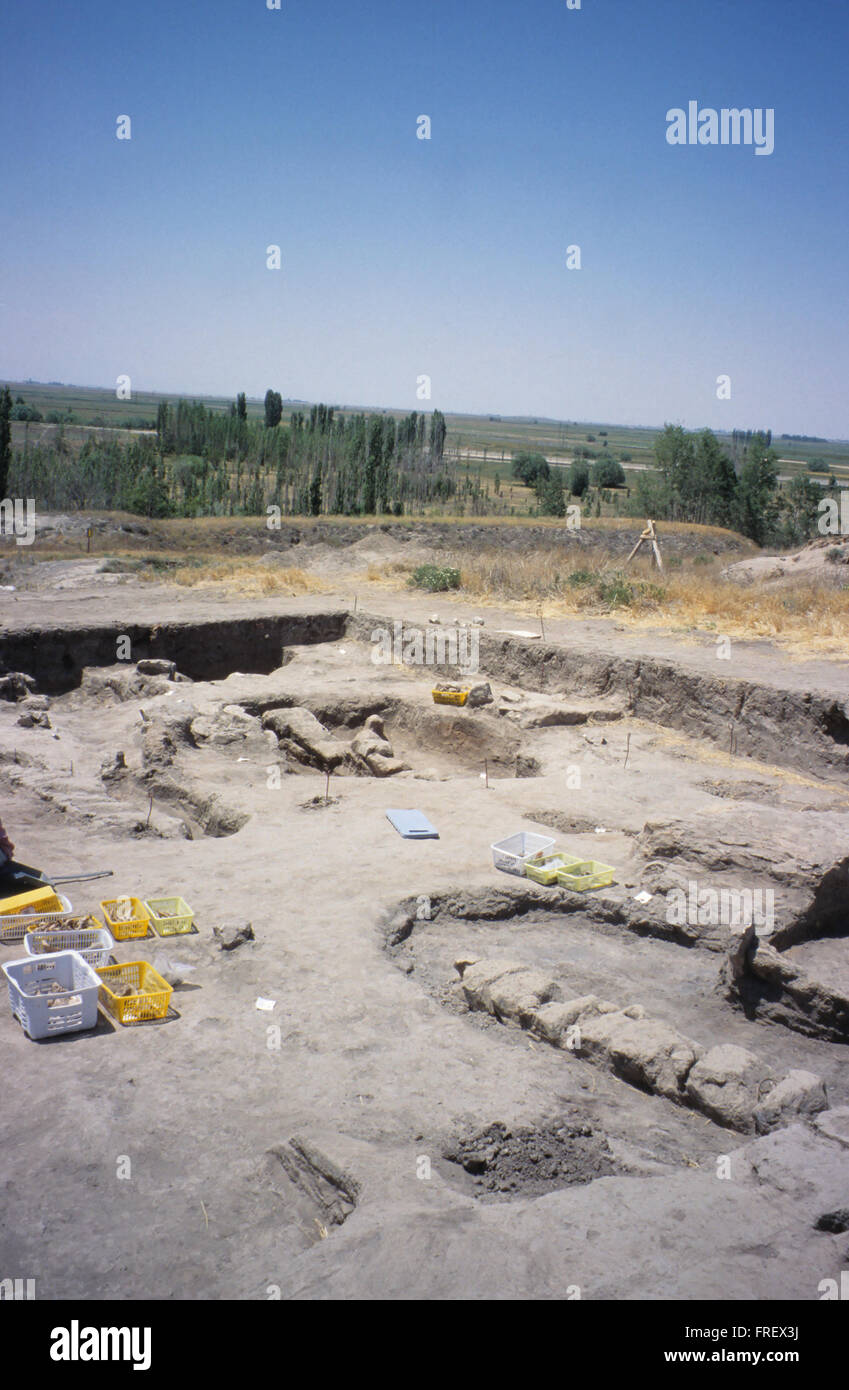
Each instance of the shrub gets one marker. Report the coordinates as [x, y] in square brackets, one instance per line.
[615, 591]
[435, 578]
[618, 592]
[579, 579]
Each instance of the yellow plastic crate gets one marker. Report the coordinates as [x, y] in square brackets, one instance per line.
[169, 916]
[15, 927]
[584, 875]
[450, 697]
[36, 901]
[126, 931]
[544, 868]
[151, 995]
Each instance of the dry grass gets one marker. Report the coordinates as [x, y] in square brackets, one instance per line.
[249, 579]
[805, 619]
[387, 574]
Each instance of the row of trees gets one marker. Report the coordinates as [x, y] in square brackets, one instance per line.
[206, 462]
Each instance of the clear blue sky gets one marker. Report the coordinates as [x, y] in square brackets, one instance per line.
[447, 257]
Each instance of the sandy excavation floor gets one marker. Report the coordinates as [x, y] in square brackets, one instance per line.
[391, 1129]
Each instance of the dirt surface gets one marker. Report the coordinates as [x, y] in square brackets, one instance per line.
[284, 1147]
[824, 560]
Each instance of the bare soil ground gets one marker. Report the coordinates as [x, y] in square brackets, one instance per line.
[372, 1136]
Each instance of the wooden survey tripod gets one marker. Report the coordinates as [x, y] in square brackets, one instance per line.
[648, 535]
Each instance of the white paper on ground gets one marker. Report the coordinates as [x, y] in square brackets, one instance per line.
[266, 1005]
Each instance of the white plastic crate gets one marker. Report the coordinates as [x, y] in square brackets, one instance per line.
[15, 928]
[510, 855]
[43, 1012]
[95, 945]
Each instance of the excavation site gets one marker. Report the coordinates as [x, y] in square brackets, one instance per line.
[451, 954]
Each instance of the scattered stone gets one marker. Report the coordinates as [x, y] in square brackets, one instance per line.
[298, 728]
[375, 750]
[799, 1094]
[114, 767]
[728, 1084]
[156, 666]
[478, 977]
[479, 695]
[519, 994]
[231, 935]
[644, 1051]
[222, 726]
[16, 685]
[834, 1124]
[372, 741]
[34, 719]
[553, 1021]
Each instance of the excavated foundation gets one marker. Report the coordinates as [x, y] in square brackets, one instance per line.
[491, 1055]
[806, 729]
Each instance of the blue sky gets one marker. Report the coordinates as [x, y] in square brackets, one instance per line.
[403, 257]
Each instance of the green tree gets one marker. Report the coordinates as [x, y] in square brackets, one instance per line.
[674, 453]
[241, 406]
[800, 510]
[273, 409]
[315, 493]
[551, 497]
[530, 468]
[21, 411]
[712, 488]
[437, 436]
[608, 473]
[579, 479]
[756, 502]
